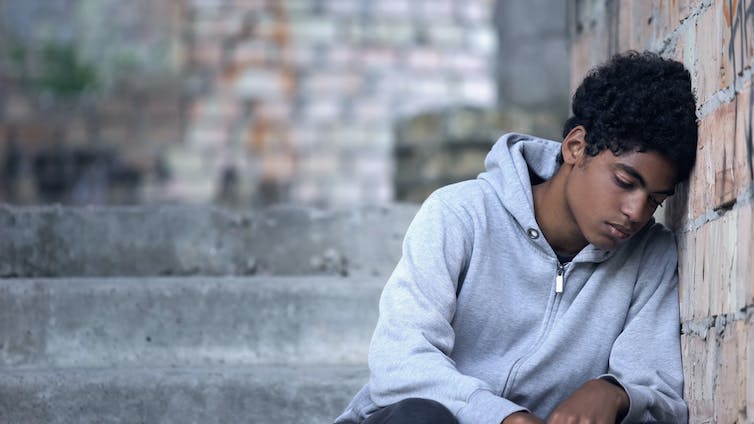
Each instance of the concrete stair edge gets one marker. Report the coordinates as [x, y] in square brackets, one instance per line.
[186, 321]
[199, 240]
[312, 395]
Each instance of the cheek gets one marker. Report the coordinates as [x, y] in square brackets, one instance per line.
[601, 200]
[586, 198]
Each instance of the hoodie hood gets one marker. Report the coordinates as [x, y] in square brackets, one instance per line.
[510, 166]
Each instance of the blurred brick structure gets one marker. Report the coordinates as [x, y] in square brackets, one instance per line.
[302, 96]
[244, 102]
[712, 213]
[439, 146]
[90, 98]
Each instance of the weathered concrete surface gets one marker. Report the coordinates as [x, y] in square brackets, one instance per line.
[198, 240]
[186, 321]
[261, 395]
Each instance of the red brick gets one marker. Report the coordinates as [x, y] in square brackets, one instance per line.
[722, 171]
[715, 266]
[737, 37]
[636, 21]
[646, 25]
[745, 270]
[730, 391]
[206, 53]
[275, 31]
[749, 369]
[712, 268]
[725, 271]
[425, 59]
[719, 58]
[686, 259]
[700, 287]
[275, 111]
[720, 259]
[743, 162]
[698, 377]
[737, 156]
[709, 52]
[701, 179]
[254, 53]
[277, 166]
[298, 56]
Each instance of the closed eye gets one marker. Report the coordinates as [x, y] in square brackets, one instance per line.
[623, 183]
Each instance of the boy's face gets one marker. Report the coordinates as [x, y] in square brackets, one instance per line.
[612, 197]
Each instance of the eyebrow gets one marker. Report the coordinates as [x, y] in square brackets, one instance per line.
[634, 173]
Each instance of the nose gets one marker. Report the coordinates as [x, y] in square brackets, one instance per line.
[634, 206]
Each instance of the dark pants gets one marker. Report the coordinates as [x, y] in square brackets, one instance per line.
[413, 411]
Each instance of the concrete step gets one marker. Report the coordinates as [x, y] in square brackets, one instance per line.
[186, 321]
[259, 395]
[199, 240]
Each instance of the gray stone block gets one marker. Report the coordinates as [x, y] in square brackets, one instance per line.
[199, 240]
[186, 321]
[261, 395]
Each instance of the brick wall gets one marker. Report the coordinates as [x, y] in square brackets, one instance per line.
[297, 99]
[90, 123]
[712, 213]
[246, 102]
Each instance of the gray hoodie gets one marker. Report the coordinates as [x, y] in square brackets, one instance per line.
[473, 317]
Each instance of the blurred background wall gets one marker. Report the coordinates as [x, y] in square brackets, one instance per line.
[249, 103]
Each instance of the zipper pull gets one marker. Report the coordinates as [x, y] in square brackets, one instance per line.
[559, 279]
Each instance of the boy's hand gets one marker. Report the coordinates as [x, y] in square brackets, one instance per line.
[596, 402]
[522, 418]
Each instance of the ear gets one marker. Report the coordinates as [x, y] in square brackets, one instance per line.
[574, 145]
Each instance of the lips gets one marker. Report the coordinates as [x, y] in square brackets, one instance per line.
[618, 231]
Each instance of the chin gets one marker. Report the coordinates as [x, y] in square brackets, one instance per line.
[606, 243]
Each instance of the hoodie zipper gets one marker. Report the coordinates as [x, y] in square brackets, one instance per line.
[560, 277]
[550, 313]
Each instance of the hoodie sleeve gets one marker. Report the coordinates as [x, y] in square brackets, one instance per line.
[646, 358]
[409, 352]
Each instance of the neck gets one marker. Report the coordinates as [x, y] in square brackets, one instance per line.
[554, 216]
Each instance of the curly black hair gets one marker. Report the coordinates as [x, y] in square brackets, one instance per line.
[638, 102]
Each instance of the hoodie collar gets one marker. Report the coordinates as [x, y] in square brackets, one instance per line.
[508, 166]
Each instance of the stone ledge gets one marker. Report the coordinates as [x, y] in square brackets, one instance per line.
[262, 395]
[186, 321]
[200, 240]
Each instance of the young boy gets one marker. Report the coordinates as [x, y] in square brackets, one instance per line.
[543, 291]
